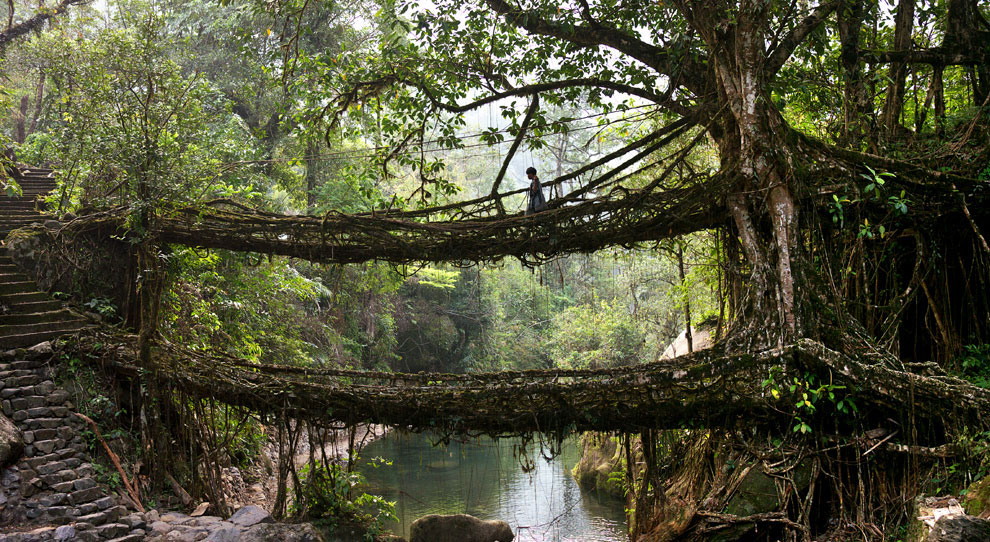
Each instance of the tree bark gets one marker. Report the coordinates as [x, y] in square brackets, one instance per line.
[903, 26]
[938, 90]
[312, 174]
[39, 96]
[37, 21]
[754, 146]
[855, 103]
[20, 121]
[687, 300]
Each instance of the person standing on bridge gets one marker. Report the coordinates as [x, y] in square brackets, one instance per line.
[537, 202]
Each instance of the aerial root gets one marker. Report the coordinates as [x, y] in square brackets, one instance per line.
[706, 389]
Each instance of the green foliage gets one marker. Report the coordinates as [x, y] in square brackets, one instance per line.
[236, 303]
[874, 192]
[334, 495]
[590, 337]
[128, 124]
[438, 278]
[975, 364]
[104, 307]
[105, 475]
[242, 434]
[808, 396]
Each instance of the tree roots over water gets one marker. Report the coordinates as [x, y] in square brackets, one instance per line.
[783, 440]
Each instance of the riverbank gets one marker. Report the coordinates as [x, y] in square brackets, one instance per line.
[486, 479]
[340, 444]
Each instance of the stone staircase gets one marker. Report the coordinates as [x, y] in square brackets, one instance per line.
[50, 493]
[28, 316]
[19, 211]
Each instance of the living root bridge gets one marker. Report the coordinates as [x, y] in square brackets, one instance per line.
[623, 218]
[705, 389]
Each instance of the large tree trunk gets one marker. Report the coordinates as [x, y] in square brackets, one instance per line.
[754, 146]
[904, 25]
[967, 30]
[850, 22]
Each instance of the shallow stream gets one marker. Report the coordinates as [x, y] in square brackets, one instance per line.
[483, 478]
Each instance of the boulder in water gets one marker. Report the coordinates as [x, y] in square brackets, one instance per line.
[459, 528]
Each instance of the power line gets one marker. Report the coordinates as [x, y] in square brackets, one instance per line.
[370, 152]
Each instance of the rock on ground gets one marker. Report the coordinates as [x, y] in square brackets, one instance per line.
[250, 515]
[11, 442]
[960, 528]
[281, 532]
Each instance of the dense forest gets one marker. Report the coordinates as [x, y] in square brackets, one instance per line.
[341, 186]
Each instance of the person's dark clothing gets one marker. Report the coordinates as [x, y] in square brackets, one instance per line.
[537, 202]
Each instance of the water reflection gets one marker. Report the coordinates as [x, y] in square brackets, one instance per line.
[483, 478]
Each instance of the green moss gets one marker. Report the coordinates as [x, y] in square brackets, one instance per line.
[21, 235]
[978, 497]
[602, 466]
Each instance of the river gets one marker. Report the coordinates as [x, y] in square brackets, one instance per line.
[484, 478]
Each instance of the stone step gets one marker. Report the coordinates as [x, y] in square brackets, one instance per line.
[15, 319]
[15, 299]
[31, 339]
[18, 287]
[36, 193]
[13, 276]
[17, 212]
[20, 215]
[44, 305]
[11, 225]
[65, 321]
[15, 225]
[35, 174]
[16, 206]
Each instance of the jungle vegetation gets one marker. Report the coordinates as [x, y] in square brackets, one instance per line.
[781, 171]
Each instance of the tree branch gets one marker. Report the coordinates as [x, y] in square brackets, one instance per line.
[797, 35]
[536, 88]
[684, 70]
[935, 56]
[35, 22]
[533, 108]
